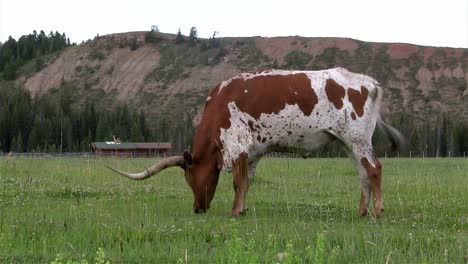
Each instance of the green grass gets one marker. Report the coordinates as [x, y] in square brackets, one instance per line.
[299, 211]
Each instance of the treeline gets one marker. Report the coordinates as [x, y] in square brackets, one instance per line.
[46, 124]
[444, 136]
[14, 54]
[192, 38]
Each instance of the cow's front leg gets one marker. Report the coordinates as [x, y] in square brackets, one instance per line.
[241, 185]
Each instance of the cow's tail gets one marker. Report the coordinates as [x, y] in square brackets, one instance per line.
[395, 137]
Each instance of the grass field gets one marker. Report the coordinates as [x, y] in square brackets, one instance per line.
[300, 211]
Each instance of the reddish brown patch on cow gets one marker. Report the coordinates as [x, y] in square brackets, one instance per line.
[358, 99]
[335, 93]
[215, 91]
[259, 138]
[353, 116]
[372, 172]
[267, 95]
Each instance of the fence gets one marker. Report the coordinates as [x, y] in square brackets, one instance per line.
[328, 154]
[50, 155]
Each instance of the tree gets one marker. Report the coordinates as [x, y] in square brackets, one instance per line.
[101, 128]
[8, 53]
[143, 126]
[213, 42]
[151, 37]
[154, 28]
[10, 72]
[67, 138]
[38, 64]
[43, 42]
[193, 36]
[135, 133]
[179, 38]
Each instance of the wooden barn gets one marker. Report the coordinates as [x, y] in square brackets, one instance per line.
[131, 149]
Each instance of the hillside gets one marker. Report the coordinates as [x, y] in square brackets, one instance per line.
[165, 77]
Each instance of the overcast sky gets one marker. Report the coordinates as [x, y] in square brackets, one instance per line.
[423, 22]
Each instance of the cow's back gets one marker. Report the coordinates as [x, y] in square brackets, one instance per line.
[254, 113]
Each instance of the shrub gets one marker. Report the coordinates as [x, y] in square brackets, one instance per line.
[297, 60]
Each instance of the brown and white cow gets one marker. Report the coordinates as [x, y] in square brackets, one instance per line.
[253, 114]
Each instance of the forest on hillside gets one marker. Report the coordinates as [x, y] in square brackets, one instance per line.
[52, 123]
[16, 53]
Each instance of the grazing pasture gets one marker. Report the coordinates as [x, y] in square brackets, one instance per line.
[300, 211]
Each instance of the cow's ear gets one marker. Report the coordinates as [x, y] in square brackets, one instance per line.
[187, 159]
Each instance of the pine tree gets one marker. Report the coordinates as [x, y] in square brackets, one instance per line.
[9, 73]
[67, 135]
[34, 142]
[103, 128]
[179, 38]
[213, 42]
[154, 28]
[193, 36]
[143, 126]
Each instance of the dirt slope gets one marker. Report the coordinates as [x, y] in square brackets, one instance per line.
[165, 78]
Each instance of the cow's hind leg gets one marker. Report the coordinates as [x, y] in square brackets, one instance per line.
[241, 184]
[370, 174]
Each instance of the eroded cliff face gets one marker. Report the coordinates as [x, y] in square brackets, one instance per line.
[173, 80]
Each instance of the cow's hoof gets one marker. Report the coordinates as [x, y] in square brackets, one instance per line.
[363, 212]
[237, 213]
[199, 211]
[378, 213]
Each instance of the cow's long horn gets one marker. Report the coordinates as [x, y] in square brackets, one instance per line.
[163, 164]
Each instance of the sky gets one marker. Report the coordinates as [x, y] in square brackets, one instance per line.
[423, 22]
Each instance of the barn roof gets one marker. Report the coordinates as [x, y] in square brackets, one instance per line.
[131, 145]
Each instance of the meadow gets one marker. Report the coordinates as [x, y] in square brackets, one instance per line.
[74, 210]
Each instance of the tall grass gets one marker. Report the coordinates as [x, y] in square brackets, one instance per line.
[300, 211]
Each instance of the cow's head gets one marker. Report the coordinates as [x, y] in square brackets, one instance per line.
[202, 176]
[200, 173]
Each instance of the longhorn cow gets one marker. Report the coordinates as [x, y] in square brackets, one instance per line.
[252, 114]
